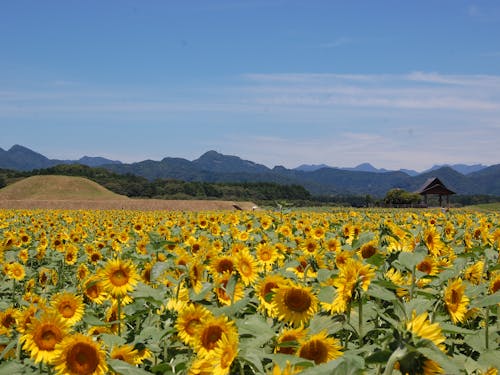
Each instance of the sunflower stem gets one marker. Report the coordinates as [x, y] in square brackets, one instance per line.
[395, 357]
[118, 309]
[487, 328]
[360, 321]
[13, 292]
[412, 286]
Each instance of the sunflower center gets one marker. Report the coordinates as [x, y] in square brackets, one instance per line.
[265, 255]
[287, 341]
[496, 286]
[368, 251]
[8, 321]
[297, 300]
[210, 336]
[49, 338]
[190, 327]
[268, 287]
[119, 278]
[93, 291]
[455, 297]
[82, 359]
[311, 247]
[245, 269]
[315, 351]
[424, 267]
[225, 265]
[67, 310]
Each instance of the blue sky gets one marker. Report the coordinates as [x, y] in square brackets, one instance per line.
[399, 84]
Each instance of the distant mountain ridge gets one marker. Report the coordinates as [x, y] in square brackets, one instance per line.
[319, 180]
[23, 159]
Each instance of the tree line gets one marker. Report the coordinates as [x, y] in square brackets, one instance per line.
[132, 185]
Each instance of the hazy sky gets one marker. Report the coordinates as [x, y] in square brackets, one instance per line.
[399, 84]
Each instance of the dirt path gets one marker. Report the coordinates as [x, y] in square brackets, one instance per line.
[128, 204]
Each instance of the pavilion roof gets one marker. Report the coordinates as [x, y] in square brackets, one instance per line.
[434, 186]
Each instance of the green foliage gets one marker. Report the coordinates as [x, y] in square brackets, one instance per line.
[400, 196]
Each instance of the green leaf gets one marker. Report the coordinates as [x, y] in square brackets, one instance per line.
[380, 356]
[147, 292]
[490, 300]
[345, 365]
[327, 294]
[112, 340]
[324, 274]
[321, 323]
[450, 328]
[195, 297]
[12, 367]
[256, 326]
[378, 292]
[123, 368]
[410, 260]
[448, 363]
[92, 320]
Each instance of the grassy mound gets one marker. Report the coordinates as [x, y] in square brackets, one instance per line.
[57, 188]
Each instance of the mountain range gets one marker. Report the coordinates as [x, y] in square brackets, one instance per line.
[318, 179]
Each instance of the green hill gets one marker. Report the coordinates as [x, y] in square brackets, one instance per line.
[57, 188]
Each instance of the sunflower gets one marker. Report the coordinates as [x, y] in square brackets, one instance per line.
[368, 249]
[188, 320]
[24, 317]
[333, 245]
[8, 319]
[353, 278]
[415, 363]
[23, 255]
[495, 282]
[421, 327]
[320, 348]
[265, 289]
[433, 241]
[82, 272]
[93, 289]
[209, 333]
[288, 341]
[474, 273]
[455, 300]
[310, 247]
[428, 266]
[196, 276]
[288, 369]
[42, 335]
[247, 267]
[119, 277]
[295, 304]
[221, 264]
[16, 271]
[224, 296]
[69, 306]
[267, 255]
[223, 355]
[71, 254]
[80, 355]
[126, 353]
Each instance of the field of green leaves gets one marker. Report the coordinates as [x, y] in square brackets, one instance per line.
[264, 292]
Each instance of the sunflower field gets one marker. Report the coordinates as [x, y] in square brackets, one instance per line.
[263, 292]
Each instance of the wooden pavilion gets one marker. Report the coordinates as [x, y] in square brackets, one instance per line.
[435, 186]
